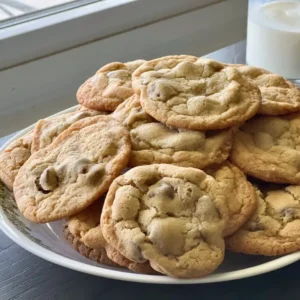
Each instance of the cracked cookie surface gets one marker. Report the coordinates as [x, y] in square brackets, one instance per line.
[279, 96]
[13, 158]
[74, 171]
[46, 130]
[275, 227]
[268, 148]
[109, 87]
[153, 142]
[171, 216]
[240, 195]
[198, 94]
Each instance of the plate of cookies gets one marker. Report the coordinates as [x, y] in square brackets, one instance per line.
[177, 170]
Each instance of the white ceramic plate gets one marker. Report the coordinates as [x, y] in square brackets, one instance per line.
[47, 241]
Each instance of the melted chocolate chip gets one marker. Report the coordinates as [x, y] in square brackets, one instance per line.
[288, 214]
[164, 189]
[151, 194]
[38, 186]
[255, 226]
[168, 191]
[95, 173]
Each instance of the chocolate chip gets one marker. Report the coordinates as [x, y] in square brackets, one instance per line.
[288, 214]
[96, 173]
[84, 170]
[167, 190]
[151, 194]
[48, 180]
[38, 186]
[189, 191]
[161, 91]
[255, 226]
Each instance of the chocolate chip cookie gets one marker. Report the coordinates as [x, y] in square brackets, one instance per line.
[83, 231]
[171, 216]
[275, 227]
[279, 96]
[74, 171]
[198, 94]
[268, 148]
[13, 158]
[46, 130]
[109, 87]
[153, 142]
[240, 195]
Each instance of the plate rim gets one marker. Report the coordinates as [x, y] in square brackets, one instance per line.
[19, 238]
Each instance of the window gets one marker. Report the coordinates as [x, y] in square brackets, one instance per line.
[17, 11]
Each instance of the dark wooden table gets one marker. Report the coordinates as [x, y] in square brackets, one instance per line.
[25, 276]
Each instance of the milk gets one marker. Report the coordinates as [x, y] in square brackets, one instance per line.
[273, 40]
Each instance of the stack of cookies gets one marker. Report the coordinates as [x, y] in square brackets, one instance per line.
[165, 164]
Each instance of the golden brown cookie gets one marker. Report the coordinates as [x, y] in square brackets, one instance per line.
[171, 216]
[197, 94]
[121, 260]
[109, 87]
[13, 158]
[165, 62]
[275, 227]
[268, 148]
[83, 231]
[46, 130]
[153, 142]
[240, 195]
[74, 171]
[279, 96]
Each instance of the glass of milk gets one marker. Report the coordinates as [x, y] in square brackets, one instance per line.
[273, 36]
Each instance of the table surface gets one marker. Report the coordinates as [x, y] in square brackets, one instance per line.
[25, 276]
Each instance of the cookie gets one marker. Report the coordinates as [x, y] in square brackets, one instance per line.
[83, 231]
[275, 227]
[153, 142]
[74, 171]
[46, 130]
[279, 96]
[200, 95]
[162, 63]
[109, 87]
[121, 260]
[82, 108]
[13, 158]
[268, 148]
[240, 195]
[171, 216]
